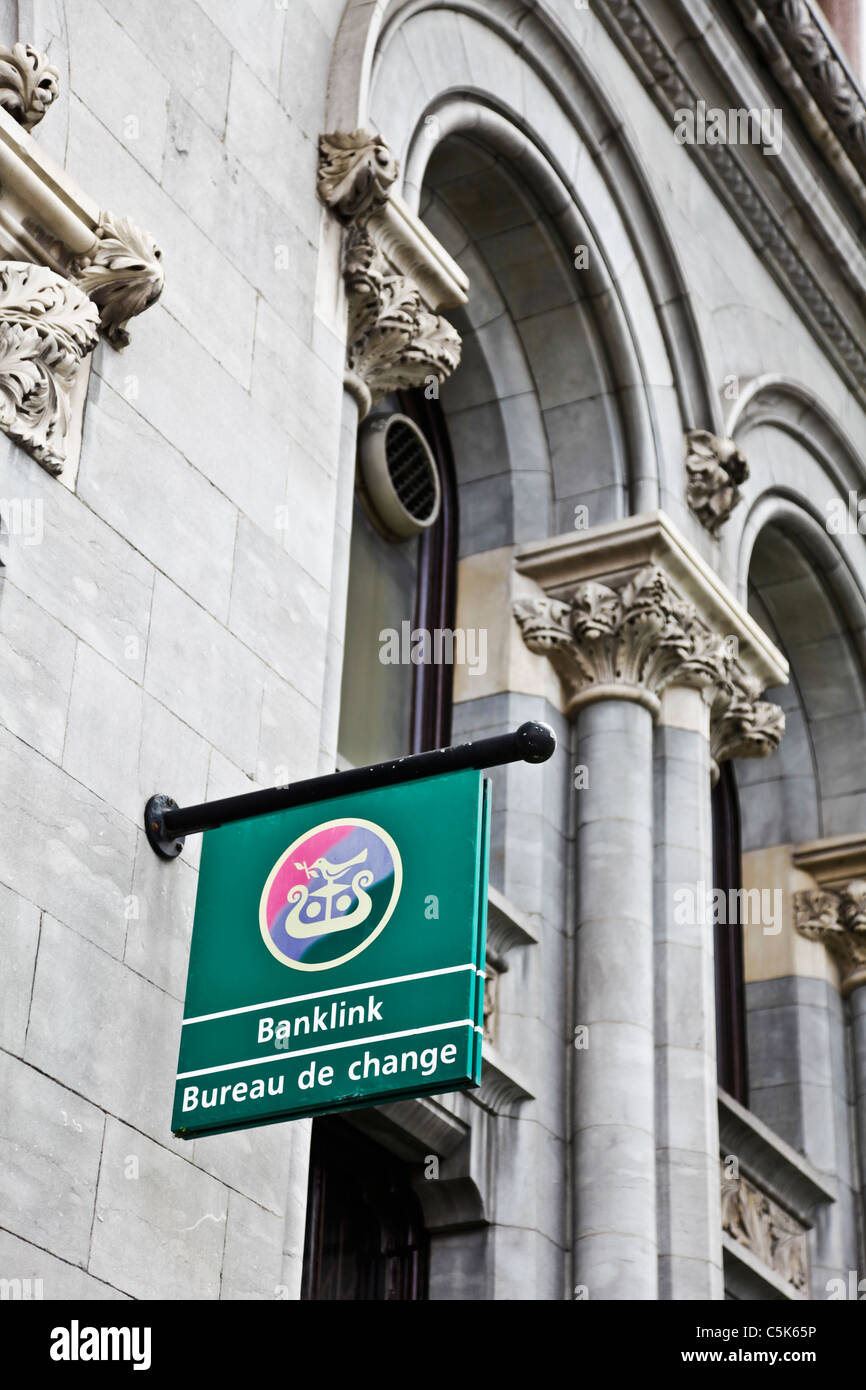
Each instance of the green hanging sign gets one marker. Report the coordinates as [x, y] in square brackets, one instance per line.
[337, 957]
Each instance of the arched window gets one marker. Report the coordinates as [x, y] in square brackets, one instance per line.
[399, 587]
[732, 1062]
[365, 1235]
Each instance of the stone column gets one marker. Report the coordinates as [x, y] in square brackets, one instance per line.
[632, 652]
[613, 1138]
[687, 1165]
[837, 917]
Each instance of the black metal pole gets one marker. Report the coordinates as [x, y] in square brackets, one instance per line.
[167, 824]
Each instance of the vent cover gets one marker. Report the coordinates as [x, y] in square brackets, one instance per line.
[399, 475]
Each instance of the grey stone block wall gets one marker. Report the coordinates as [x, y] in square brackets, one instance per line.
[168, 632]
[801, 1085]
[522, 1255]
[179, 627]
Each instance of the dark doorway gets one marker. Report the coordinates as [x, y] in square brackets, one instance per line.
[365, 1234]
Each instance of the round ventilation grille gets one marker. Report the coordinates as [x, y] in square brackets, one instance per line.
[400, 476]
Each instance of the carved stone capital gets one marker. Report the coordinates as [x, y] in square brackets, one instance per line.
[714, 469]
[356, 173]
[838, 919]
[123, 275]
[47, 327]
[28, 83]
[633, 642]
[394, 341]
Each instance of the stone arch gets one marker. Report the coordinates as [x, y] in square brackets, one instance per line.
[523, 69]
[803, 592]
[549, 400]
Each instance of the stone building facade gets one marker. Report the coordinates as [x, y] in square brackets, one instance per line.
[608, 257]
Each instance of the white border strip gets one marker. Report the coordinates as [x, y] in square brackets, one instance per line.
[328, 1047]
[322, 993]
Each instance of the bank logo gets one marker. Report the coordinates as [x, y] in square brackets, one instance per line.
[330, 894]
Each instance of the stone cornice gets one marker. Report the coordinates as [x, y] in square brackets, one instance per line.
[412, 249]
[811, 269]
[781, 1172]
[833, 862]
[838, 919]
[507, 927]
[397, 275]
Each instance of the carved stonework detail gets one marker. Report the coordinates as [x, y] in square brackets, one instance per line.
[643, 637]
[28, 83]
[822, 72]
[124, 276]
[741, 724]
[838, 919]
[760, 1225]
[356, 173]
[671, 88]
[394, 341]
[47, 327]
[715, 468]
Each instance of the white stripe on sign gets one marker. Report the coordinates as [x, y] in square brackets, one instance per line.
[324, 993]
[327, 1047]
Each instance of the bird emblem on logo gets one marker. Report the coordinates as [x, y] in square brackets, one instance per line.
[328, 906]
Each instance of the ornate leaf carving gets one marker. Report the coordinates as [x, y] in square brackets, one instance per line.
[838, 919]
[47, 326]
[644, 636]
[123, 277]
[28, 83]
[394, 342]
[356, 172]
[755, 1221]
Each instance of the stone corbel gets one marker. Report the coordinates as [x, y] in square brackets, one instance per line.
[90, 272]
[630, 609]
[714, 470]
[397, 276]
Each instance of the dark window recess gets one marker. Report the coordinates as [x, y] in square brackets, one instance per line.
[436, 599]
[731, 1053]
[365, 1237]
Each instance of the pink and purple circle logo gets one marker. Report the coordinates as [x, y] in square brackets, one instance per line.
[330, 894]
